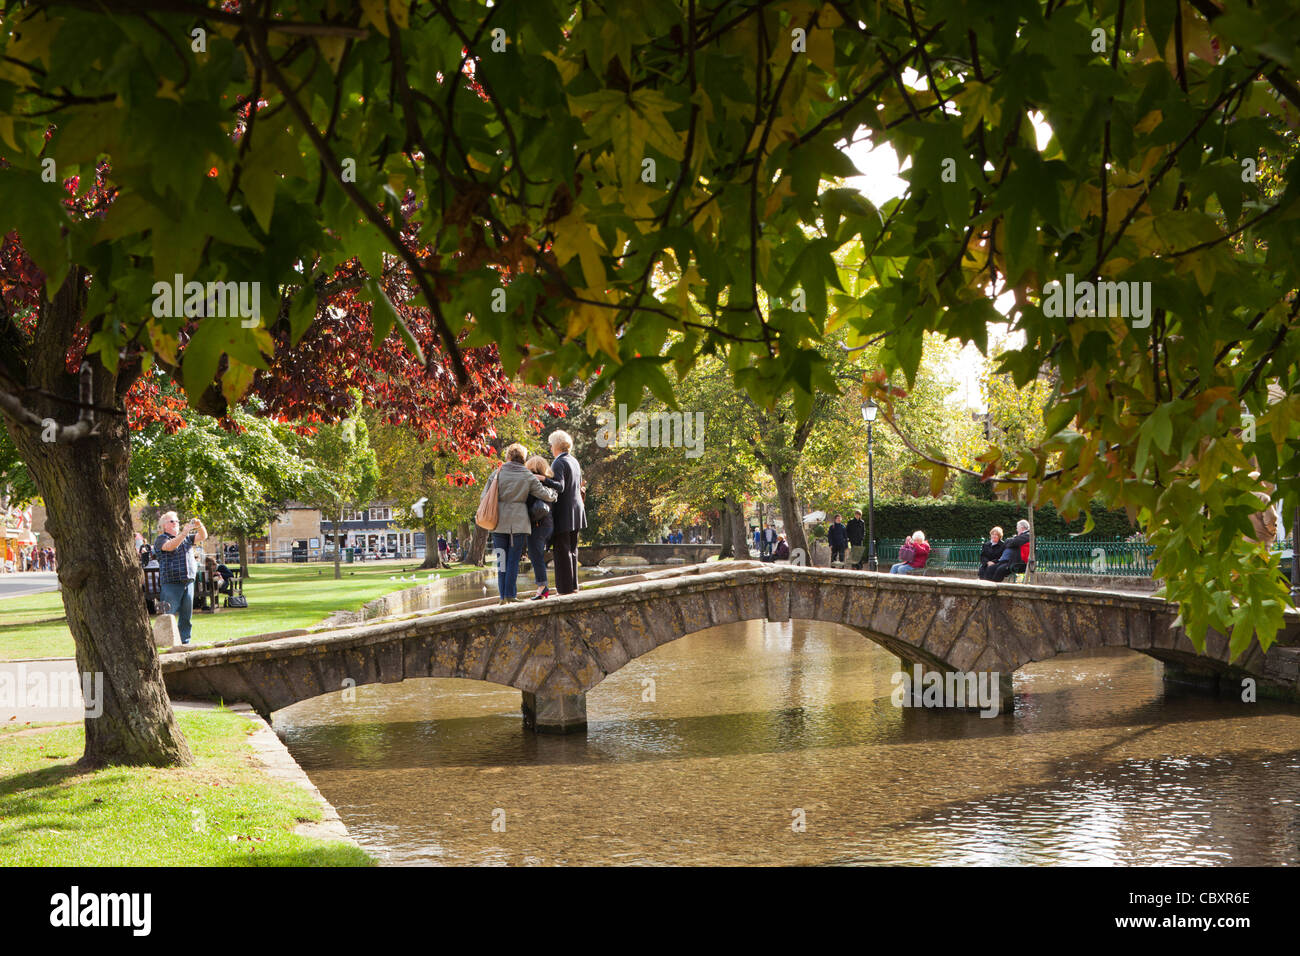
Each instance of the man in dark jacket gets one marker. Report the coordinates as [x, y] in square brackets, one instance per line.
[1014, 552]
[857, 532]
[569, 512]
[838, 536]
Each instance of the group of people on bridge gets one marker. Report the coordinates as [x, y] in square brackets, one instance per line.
[531, 504]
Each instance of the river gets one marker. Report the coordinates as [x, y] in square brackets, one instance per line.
[761, 743]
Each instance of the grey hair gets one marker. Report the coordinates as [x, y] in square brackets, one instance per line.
[562, 440]
[165, 516]
[1022, 525]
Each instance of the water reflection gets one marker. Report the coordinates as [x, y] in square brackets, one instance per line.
[750, 722]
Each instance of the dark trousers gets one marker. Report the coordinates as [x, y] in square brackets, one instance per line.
[537, 542]
[1003, 568]
[565, 544]
[837, 554]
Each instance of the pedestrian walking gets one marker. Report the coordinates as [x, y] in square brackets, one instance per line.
[857, 531]
[838, 536]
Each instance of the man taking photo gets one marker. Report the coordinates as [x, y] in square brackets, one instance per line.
[177, 566]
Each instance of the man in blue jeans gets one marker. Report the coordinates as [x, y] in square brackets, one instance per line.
[177, 566]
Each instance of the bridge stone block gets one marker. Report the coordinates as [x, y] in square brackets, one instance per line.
[388, 662]
[751, 602]
[723, 606]
[1165, 637]
[966, 617]
[444, 655]
[418, 654]
[333, 671]
[303, 676]
[695, 614]
[834, 598]
[861, 605]
[275, 683]
[540, 658]
[1055, 630]
[573, 651]
[890, 608]
[507, 657]
[1216, 645]
[1138, 630]
[1113, 624]
[965, 653]
[361, 665]
[536, 667]
[602, 638]
[914, 624]
[476, 650]
[633, 625]
[778, 601]
[803, 600]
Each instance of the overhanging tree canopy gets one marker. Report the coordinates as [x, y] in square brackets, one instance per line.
[610, 190]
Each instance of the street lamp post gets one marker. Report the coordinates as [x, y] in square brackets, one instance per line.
[1295, 557]
[869, 409]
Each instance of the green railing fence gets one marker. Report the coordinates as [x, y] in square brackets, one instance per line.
[1126, 558]
[1121, 558]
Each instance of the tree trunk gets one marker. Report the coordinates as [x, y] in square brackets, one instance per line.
[241, 540]
[338, 549]
[431, 557]
[85, 488]
[739, 534]
[478, 546]
[726, 536]
[794, 531]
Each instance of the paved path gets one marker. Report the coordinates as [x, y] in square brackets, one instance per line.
[46, 690]
[27, 582]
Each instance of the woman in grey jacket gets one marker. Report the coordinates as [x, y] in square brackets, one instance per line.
[514, 483]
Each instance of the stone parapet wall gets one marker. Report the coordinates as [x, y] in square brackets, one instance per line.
[567, 645]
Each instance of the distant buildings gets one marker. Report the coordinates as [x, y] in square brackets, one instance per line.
[302, 529]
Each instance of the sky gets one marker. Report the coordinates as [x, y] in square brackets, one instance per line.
[880, 182]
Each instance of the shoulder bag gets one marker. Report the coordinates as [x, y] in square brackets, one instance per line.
[489, 508]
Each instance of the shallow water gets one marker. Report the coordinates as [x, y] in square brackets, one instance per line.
[754, 728]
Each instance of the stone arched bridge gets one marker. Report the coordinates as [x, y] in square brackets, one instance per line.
[554, 651]
[590, 555]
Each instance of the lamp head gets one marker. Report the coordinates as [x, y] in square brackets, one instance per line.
[869, 409]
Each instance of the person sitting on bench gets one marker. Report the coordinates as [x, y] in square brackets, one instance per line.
[1015, 553]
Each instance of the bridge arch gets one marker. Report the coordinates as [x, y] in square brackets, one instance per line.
[554, 651]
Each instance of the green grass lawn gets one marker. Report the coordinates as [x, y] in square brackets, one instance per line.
[223, 811]
[280, 597]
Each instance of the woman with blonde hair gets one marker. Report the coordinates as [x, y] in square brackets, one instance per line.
[539, 512]
[990, 553]
[514, 484]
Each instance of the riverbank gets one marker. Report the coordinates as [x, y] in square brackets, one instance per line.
[234, 807]
[280, 597]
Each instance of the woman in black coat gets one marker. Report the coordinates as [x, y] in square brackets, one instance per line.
[539, 513]
[990, 553]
